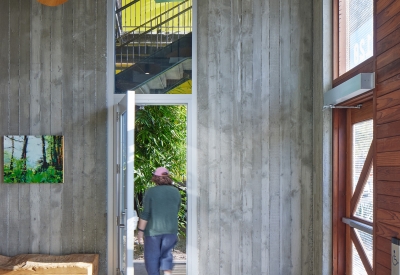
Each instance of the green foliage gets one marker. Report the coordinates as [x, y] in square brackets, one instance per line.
[160, 140]
[21, 175]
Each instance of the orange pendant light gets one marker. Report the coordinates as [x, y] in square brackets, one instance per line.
[52, 3]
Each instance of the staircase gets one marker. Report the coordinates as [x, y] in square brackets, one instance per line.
[156, 56]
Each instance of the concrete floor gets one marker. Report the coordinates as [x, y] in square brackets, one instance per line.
[179, 268]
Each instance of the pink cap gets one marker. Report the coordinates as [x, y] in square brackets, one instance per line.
[161, 171]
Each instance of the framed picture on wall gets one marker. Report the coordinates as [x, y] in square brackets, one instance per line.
[33, 159]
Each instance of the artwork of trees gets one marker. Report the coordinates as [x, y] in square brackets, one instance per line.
[33, 159]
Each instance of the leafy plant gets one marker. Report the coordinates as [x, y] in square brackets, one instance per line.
[160, 140]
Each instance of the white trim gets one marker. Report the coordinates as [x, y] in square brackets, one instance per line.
[110, 74]
[131, 219]
[192, 266]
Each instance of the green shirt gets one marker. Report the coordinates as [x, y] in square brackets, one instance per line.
[160, 209]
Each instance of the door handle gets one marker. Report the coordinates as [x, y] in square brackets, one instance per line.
[119, 224]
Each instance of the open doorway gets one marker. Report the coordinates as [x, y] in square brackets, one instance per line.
[125, 175]
[161, 140]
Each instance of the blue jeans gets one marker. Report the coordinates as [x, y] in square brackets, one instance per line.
[157, 252]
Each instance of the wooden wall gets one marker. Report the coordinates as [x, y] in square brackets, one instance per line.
[387, 130]
[255, 132]
[52, 81]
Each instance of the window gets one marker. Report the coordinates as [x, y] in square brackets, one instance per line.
[353, 32]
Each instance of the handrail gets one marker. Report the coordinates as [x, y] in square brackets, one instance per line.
[358, 225]
[126, 6]
[163, 72]
[152, 28]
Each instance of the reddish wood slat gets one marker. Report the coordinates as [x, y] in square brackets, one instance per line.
[383, 258]
[387, 42]
[362, 114]
[388, 202]
[389, 188]
[388, 85]
[388, 217]
[387, 173]
[388, 115]
[339, 191]
[382, 270]
[390, 26]
[388, 159]
[388, 56]
[361, 252]
[388, 100]
[387, 231]
[366, 67]
[361, 99]
[382, 4]
[383, 244]
[388, 144]
[388, 71]
[388, 130]
[387, 13]
[362, 180]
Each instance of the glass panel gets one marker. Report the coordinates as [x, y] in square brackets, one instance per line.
[365, 206]
[153, 46]
[359, 32]
[355, 28]
[357, 265]
[362, 138]
[367, 243]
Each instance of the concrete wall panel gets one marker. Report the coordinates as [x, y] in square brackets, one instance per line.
[53, 82]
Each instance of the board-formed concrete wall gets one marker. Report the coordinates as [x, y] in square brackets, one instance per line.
[53, 82]
[256, 138]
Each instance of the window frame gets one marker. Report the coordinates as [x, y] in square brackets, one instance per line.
[339, 60]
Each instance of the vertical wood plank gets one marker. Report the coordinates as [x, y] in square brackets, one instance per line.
[285, 138]
[303, 88]
[90, 127]
[265, 124]
[13, 236]
[226, 148]
[45, 121]
[295, 134]
[256, 102]
[24, 118]
[35, 117]
[56, 190]
[100, 175]
[78, 62]
[246, 136]
[203, 153]
[274, 137]
[68, 122]
[214, 219]
[237, 187]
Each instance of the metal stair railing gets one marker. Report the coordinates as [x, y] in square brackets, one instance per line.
[154, 64]
[161, 79]
[131, 36]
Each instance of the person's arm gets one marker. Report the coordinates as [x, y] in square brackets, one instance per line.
[141, 227]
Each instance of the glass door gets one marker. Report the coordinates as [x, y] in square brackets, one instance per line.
[126, 217]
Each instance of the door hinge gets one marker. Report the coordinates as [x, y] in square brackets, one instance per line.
[117, 168]
[117, 116]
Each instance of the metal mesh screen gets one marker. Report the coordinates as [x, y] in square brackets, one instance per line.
[357, 265]
[359, 31]
[367, 243]
[362, 138]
